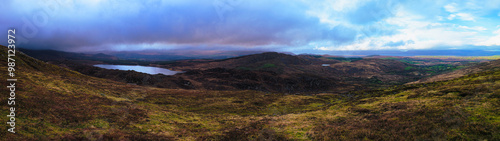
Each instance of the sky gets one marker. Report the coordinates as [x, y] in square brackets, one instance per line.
[297, 26]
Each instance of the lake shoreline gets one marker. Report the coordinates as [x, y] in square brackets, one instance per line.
[143, 69]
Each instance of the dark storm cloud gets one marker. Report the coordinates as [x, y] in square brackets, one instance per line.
[246, 24]
[93, 25]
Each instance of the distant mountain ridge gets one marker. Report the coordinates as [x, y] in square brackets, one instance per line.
[52, 55]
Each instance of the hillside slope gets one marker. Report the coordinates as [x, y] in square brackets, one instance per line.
[271, 61]
[271, 71]
[485, 66]
[55, 103]
[277, 72]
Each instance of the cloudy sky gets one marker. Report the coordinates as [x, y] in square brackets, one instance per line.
[298, 26]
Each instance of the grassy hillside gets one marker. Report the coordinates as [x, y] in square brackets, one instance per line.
[270, 71]
[484, 66]
[56, 103]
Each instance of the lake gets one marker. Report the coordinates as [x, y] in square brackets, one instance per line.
[143, 69]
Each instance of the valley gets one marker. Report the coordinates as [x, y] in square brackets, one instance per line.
[250, 70]
[269, 72]
[267, 96]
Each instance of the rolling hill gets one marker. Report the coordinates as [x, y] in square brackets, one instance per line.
[485, 66]
[271, 72]
[56, 103]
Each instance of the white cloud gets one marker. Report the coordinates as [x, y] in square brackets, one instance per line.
[492, 41]
[454, 10]
[342, 5]
[451, 7]
[452, 16]
[425, 34]
[331, 12]
[465, 16]
[364, 44]
[439, 18]
[477, 28]
[497, 31]
[462, 16]
[415, 33]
